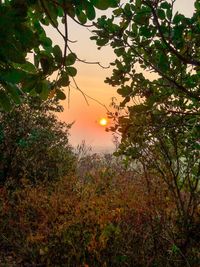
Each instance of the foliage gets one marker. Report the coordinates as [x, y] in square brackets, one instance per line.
[123, 221]
[157, 72]
[28, 56]
[33, 143]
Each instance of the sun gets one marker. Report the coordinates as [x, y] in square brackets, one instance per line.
[103, 122]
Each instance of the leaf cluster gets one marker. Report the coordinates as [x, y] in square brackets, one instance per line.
[28, 57]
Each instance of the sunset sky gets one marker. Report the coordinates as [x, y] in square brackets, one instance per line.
[90, 79]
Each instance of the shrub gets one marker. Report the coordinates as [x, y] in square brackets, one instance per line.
[76, 223]
[34, 144]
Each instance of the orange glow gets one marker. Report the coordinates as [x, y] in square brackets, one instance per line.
[103, 122]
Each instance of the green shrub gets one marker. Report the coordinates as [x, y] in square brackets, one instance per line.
[34, 144]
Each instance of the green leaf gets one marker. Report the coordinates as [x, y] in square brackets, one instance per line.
[64, 80]
[117, 12]
[27, 67]
[138, 3]
[71, 71]
[13, 76]
[70, 59]
[169, 13]
[119, 51]
[81, 17]
[197, 5]
[102, 42]
[30, 83]
[60, 95]
[177, 18]
[46, 42]
[14, 92]
[165, 5]
[45, 88]
[161, 14]
[125, 91]
[163, 62]
[104, 4]
[90, 11]
[5, 101]
[145, 31]
[142, 17]
[57, 53]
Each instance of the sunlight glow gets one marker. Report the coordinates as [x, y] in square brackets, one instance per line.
[103, 122]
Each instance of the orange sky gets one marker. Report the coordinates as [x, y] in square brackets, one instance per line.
[90, 79]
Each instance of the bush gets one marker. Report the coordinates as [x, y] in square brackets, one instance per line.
[79, 222]
[34, 144]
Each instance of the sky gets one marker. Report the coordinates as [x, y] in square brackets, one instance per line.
[90, 79]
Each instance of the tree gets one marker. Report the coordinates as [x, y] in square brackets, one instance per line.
[28, 56]
[34, 144]
[157, 72]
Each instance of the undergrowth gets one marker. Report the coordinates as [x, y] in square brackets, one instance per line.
[104, 215]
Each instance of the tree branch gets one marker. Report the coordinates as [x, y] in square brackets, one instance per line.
[185, 60]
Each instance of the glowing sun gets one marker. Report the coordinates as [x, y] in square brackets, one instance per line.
[103, 122]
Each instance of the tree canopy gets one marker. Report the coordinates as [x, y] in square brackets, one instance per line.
[28, 57]
[157, 73]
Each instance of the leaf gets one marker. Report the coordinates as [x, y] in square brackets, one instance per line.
[138, 3]
[57, 53]
[165, 5]
[60, 95]
[163, 62]
[71, 71]
[177, 18]
[125, 91]
[14, 92]
[13, 76]
[46, 42]
[81, 16]
[27, 67]
[119, 51]
[197, 5]
[46, 63]
[90, 11]
[104, 4]
[146, 32]
[141, 18]
[44, 90]
[64, 80]
[70, 59]
[30, 83]
[117, 12]
[161, 14]
[5, 101]
[169, 13]
[102, 42]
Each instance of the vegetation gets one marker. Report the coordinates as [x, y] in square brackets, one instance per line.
[107, 216]
[157, 74]
[34, 144]
[28, 57]
[141, 208]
